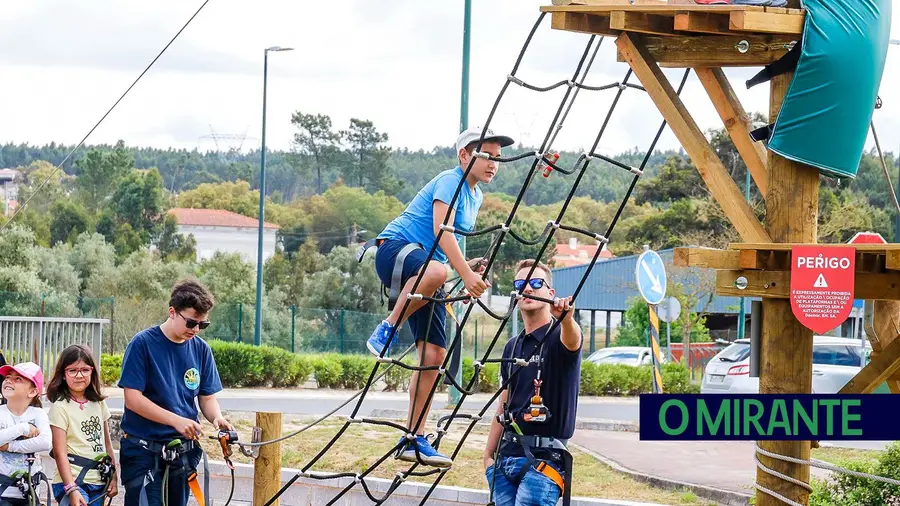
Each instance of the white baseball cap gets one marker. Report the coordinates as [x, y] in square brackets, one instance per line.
[473, 134]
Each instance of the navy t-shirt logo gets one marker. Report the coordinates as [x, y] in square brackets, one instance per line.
[192, 378]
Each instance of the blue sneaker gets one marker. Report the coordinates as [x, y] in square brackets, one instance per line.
[379, 338]
[427, 453]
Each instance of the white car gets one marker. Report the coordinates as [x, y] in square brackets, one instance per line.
[628, 355]
[835, 361]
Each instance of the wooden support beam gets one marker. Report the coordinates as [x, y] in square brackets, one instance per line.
[688, 133]
[766, 22]
[706, 258]
[681, 51]
[892, 260]
[887, 326]
[267, 467]
[884, 364]
[792, 205]
[641, 22]
[609, 2]
[777, 284]
[581, 22]
[702, 22]
[737, 122]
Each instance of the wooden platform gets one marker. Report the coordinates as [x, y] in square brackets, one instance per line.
[687, 35]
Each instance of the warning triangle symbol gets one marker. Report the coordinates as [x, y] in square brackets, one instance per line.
[820, 282]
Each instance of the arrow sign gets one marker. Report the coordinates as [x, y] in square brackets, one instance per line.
[650, 276]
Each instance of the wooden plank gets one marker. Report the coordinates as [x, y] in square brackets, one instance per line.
[892, 260]
[640, 22]
[720, 184]
[584, 23]
[886, 319]
[706, 258]
[884, 364]
[752, 259]
[610, 2]
[766, 22]
[792, 209]
[267, 467]
[681, 51]
[703, 22]
[865, 248]
[737, 122]
[671, 10]
[777, 284]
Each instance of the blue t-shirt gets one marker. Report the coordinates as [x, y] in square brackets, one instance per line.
[171, 375]
[416, 223]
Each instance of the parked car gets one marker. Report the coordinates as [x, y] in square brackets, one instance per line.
[628, 355]
[835, 361]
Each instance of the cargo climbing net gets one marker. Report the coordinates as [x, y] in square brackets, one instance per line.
[545, 163]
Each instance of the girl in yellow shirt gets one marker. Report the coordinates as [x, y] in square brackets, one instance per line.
[79, 421]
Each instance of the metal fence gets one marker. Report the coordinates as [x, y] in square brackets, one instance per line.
[41, 340]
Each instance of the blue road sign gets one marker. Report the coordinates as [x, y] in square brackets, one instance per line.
[650, 276]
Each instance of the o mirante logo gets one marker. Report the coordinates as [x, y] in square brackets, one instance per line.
[192, 378]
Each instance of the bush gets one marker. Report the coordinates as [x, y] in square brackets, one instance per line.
[110, 369]
[845, 490]
[397, 378]
[328, 371]
[355, 370]
[246, 365]
[619, 380]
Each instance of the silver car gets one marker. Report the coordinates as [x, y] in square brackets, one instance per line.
[835, 361]
[628, 355]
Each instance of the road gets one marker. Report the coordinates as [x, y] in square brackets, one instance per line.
[318, 402]
[321, 401]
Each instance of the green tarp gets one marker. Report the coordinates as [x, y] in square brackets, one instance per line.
[824, 119]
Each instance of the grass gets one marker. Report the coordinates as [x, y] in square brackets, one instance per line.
[838, 455]
[363, 444]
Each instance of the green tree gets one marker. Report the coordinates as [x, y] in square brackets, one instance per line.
[68, 220]
[316, 140]
[138, 202]
[344, 284]
[370, 156]
[289, 272]
[17, 247]
[231, 279]
[173, 246]
[90, 255]
[99, 173]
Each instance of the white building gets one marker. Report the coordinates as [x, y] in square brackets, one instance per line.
[9, 191]
[225, 231]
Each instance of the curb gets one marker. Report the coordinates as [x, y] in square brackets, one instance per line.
[721, 496]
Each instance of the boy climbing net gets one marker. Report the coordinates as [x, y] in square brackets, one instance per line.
[402, 253]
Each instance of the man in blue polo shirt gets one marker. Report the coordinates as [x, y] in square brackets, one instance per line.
[538, 406]
[402, 255]
[165, 368]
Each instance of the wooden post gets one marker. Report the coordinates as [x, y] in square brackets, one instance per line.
[792, 205]
[267, 467]
[887, 326]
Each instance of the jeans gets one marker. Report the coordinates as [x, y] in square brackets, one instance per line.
[135, 461]
[535, 489]
[88, 491]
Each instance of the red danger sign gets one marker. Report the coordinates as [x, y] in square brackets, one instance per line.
[822, 281]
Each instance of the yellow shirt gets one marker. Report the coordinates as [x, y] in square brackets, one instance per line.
[84, 428]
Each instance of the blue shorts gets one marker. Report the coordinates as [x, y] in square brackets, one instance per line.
[418, 321]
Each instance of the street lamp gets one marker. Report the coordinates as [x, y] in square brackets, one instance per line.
[257, 331]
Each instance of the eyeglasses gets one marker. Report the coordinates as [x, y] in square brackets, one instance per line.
[535, 283]
[83, 372]
[191, 323]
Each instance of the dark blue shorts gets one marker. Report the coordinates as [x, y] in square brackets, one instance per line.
[418, 321]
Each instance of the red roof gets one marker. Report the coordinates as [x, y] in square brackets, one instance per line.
[567, 256]
[216, 218]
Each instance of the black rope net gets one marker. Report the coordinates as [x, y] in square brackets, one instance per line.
[543, 162]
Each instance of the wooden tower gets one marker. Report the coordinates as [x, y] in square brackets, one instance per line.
[651, 34]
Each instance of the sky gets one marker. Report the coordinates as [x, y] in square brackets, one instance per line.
[397, 63]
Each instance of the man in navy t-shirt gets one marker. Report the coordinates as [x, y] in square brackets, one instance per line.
[413, 234]
[164, 370]
[555, 351]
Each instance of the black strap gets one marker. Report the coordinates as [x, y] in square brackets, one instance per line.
[371, 243]
[786, 63]
[397, 274]
[558, 450]
[762, 133]
[162, 453]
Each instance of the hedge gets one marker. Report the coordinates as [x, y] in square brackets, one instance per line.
[245, 365]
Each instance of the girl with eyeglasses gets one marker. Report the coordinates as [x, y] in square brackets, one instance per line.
[79, 419]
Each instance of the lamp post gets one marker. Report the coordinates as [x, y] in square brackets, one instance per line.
[257, 331]
[896, 42]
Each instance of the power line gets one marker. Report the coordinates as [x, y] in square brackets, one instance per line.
[58, 167]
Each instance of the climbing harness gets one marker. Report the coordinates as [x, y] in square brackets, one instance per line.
[226, 438]
[397, 272]
[102, 464]
[165, 455]
[550, 165]
[27, 483]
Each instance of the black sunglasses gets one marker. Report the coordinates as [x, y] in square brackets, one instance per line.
[534, 282]
[191, 323]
